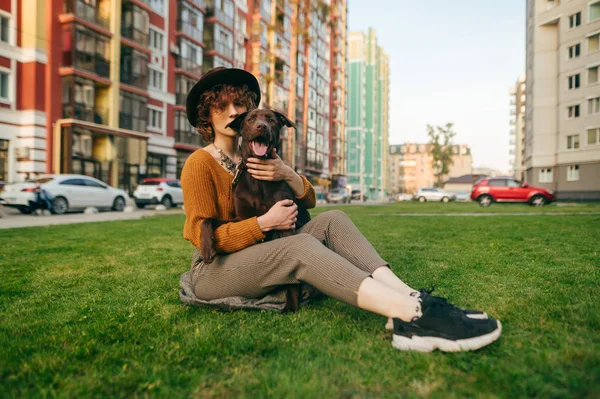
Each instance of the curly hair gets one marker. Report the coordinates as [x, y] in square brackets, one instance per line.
[217, 99]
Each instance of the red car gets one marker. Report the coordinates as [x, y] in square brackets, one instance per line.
[505, 189]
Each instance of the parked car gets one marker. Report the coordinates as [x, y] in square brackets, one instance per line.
[403, 197]
[356, 195]
[499, 189]
[434, 194]
[463, 196]
[338, 195]
[69, 192]
[154, 191]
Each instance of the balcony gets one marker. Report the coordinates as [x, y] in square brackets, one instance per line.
[198, 3]
[87, 12]
[220, 15]
[190, 66]
[85, 113]
[128, 121]
[220, 48]
[135, 23]
[190, 30]
[87, 62]
[189, 137]
[134, 68]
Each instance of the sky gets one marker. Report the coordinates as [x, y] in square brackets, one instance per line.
[450, 61]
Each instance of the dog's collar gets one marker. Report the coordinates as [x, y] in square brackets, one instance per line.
[239, 170]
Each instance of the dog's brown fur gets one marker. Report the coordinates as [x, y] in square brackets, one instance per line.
[253, 197]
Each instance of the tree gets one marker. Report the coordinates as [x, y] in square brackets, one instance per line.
[440, 144]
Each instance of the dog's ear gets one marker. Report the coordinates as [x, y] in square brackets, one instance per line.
[236, 124]
[283, 120]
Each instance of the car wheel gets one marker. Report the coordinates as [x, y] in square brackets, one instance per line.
[167, 202]
[445, 199]
[422, 199]
[118, 204]
[60, 205]
[538, 200]
[485, 200]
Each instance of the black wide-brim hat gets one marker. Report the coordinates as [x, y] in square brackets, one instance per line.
[219, 76]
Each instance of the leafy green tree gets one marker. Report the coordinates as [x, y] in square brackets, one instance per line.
[440, 144]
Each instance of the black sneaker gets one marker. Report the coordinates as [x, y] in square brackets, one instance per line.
[472, 314]
[441, 327]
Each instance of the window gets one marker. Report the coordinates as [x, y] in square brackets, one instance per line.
[497, 183]
[594, 13]
[594, 106]
[573, 112]
[593, 42]
[575, 20]
[573, 142]
[4, 30]
[156, 166]
[155, 80]
[574, 82]
[545, 175]
[573, 173]
[157, 6]
[4, 86]
[156, 40]
[593, 75]
[513, 183]
[155, 119]
[575, 51]
[593, 136]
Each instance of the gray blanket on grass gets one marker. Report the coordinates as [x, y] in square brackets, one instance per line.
[273, 301]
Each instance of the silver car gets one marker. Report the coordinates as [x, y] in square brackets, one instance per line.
[434, 194]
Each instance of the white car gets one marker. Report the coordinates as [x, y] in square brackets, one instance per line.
[154, 191]
[69, 192]
[434, 194]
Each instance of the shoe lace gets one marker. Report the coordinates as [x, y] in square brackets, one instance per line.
[435, 300]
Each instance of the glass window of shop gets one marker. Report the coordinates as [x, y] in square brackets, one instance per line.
[156, 165]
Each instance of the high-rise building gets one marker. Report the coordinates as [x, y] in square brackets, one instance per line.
[368, 107]
[562, 125]
[517, 129]
[98, 87]
[298, 54]
[411, 166]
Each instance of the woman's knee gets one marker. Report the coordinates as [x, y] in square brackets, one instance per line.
[304, 241]
[334, 214]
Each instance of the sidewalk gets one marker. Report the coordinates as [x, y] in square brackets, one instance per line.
[33, 221]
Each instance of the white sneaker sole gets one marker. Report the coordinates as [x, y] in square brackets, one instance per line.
[477, 316]
[428, 344]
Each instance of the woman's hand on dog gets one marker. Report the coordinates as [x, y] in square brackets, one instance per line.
[282, 216]
[269, 169]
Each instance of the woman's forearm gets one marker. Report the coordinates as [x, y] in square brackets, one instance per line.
[295, 182]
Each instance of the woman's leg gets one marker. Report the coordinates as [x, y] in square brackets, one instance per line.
[257, 270]
[335, 230]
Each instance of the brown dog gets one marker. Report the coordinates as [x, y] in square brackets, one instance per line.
[259, 130]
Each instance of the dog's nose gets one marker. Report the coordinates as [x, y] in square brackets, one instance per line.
[261, 126]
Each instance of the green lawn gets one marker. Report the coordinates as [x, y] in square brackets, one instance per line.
[92, 310]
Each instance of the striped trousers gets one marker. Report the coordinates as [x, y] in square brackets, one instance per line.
[329, 253]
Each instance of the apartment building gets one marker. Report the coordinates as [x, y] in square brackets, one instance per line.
[517, 129]
[411, 166]
[98, 87]
[368, 114]
[562, 124]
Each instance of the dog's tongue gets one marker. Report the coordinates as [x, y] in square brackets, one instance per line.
[259, 149]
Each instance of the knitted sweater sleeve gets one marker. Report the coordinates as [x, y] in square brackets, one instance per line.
[201, 202]
[309, 198]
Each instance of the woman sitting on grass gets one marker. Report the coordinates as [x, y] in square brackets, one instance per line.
[329, 252]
